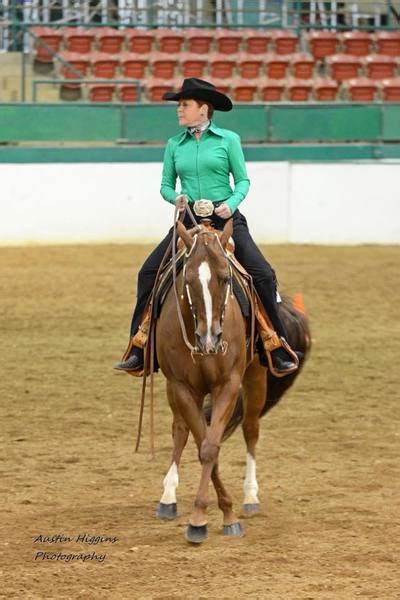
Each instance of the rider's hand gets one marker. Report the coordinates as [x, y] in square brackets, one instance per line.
[181, 202]
[223, 211]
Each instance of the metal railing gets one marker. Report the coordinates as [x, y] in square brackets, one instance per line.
[363, 14]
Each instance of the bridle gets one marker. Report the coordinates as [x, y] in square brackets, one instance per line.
[194, 350]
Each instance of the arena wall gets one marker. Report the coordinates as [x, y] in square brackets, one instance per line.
[316, 203]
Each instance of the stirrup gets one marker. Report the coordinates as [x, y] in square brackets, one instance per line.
[292, 355]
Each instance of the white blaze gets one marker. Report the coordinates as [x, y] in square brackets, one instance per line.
[205, 277]
[170, 482]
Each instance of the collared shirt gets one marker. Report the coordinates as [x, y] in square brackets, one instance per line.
[203, 167]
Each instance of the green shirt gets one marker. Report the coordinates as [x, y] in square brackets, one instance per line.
[203, 167]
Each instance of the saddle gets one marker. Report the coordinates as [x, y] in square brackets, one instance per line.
[245, 294]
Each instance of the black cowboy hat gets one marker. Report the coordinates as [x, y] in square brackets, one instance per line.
[198, 89]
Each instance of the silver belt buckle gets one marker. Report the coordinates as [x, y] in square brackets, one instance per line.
[203, 208]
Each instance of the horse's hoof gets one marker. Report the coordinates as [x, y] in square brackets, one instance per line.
[167, 512]
[234, 530]
[251, 509]
[196, 534]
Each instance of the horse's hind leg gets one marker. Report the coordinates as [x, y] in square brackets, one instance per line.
[255, 389]
[167, 508]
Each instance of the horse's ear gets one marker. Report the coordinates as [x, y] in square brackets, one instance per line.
[184, 234]
[226, 233]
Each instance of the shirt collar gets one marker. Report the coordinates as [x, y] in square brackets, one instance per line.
[212, 128]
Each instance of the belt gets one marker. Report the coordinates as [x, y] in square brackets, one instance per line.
[204, 208]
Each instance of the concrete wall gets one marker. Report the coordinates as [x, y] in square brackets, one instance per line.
[346, 203]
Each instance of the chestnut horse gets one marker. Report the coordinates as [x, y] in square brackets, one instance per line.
[213, 361]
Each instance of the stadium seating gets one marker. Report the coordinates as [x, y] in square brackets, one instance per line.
[133, 65]
[361, 89]
[170, 40]
[104, 66]
[101, 92]
[388, 42]
[391, 89]
[380, 66]
[256, 42]
[299, 90]
[244, 90]
[109, 40]
[52, 38]
[285, 41]
[271, 90]
[357, 43]
[302, 65]
[251, 64]
[78, 39]
[193, 65]
[343, 66]
[139, 40]
[325, 90]
[322, 43]
[199, 41]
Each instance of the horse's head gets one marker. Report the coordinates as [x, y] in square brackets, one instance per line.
[207, 280]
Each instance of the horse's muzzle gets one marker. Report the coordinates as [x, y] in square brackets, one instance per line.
[209, 344]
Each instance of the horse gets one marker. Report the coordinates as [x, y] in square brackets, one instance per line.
[202, 352]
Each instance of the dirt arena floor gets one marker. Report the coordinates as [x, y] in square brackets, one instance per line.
[328, 457]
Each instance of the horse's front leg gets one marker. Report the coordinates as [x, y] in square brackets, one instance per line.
[255, 390]
[223, 401]
[167, 508]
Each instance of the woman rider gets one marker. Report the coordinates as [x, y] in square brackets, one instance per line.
[203, 156]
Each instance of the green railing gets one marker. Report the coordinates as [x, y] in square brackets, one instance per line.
[154, 123]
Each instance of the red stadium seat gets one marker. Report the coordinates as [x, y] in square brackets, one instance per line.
[163, 65]
[285, 42]
[325, 90]
[249, 65]
[80, 62]
[78, 39]
[222, 85]
[51, 37]
[104, 65]
[109, 40]
[388, 42]
[170, 40]
[344, 66]
[256, 42]
[101, 92]
[156, 88]
[139, 40]
[276, 65]
[243, 90]
[380, 66]
[302, 65]
[391, 89]
[361, 89]
[222, 65]
[193, 65]
[357, 43]
[228, 41]
[271, 90]
[199, 41]
[299, 90]
[133, 65]
[127, 92]
[322, 43]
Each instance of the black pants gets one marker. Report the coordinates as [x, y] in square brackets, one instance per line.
[246, 252]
